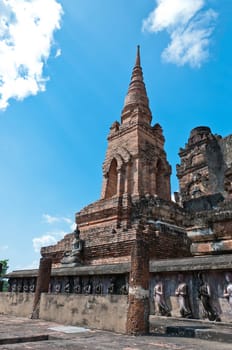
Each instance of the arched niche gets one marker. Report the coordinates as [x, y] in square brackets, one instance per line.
[112, 180]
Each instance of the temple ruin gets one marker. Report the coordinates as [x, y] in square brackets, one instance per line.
[135, 252]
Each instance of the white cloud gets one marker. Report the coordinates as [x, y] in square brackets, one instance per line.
[73, 226]
[26, 37]
[168, 13]
[47, 239]
[61, 225]
[190, 26]
[67, 220]
[58, 53]
[49, 219]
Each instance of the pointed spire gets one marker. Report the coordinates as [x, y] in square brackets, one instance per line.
[136, 97]
[137, 62]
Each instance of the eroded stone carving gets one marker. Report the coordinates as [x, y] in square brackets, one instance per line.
[112, 287]
[228, 289]
[77, 287]
[99, 288]
[32, 285]
[57, 286]
[25, 286]
[88, 288]
[124, 289]
[204, 293]
[20, 285]
[14, 286]
[67, 286]
[161, 306]
[182, 293]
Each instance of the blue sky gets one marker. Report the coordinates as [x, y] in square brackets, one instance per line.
[65, 67]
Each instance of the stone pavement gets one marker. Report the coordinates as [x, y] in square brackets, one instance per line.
[22, 333]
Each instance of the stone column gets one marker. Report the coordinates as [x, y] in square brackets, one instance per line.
[42, 284]
[138, 311]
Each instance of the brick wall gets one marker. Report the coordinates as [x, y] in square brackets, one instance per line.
[103, 246]
[138, 311]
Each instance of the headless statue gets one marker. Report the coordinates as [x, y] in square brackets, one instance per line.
[183, 298]
[228, 289]
[205, 296]
[161, 307]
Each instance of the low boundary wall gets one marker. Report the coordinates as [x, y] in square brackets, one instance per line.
[17, 304]
[101, 312]
[108, 312]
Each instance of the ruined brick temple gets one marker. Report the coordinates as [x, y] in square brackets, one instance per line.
[135, 252]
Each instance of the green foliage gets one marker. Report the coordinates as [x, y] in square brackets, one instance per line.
[3, 282]
[4, 266]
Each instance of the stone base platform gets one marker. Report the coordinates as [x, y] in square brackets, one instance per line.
[191, 328]
[17, 333]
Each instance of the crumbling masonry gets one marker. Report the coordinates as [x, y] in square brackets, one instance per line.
[159, 256]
